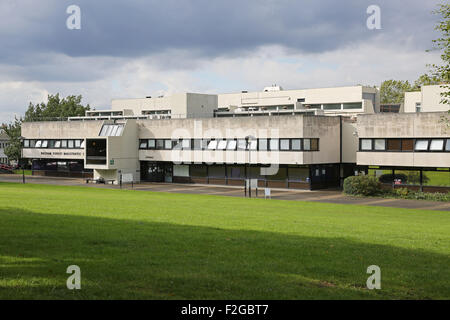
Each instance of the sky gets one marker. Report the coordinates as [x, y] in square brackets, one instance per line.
[137, 48]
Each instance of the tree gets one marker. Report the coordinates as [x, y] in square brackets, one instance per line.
[56, 109]
[393, 91]
[426, 80]
[13, 150]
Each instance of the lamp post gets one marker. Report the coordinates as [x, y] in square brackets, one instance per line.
[21, 158]
[248, 140]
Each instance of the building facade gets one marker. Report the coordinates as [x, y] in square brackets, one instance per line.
[4, 142]
[305, 139]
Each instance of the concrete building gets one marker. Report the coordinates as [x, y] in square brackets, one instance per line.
[428, 99]
[4, 142]
[306, 139]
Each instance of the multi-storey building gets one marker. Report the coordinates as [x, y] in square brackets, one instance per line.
[305, 139]
[4, 142]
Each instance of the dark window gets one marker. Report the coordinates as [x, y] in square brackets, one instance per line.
[394, 144]
[407, 144]
[198, 171]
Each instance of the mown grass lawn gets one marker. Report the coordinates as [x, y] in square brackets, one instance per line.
[145, 245]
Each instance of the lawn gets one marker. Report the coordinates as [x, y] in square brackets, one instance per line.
[145, 245]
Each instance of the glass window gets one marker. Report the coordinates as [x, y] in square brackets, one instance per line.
[216, 171]
[306, 144]
[296, 144]
[314, 144]
[298, 174]
[143, 144]
[151, 143]
[197, 144]
[394, 144]
[38, 143]
[44, 144]
[63, 143]
[119, 131]
[253, 144]
[114, 130]
[242, 144]
[407, 144]
[447, 146]
[204, 144]
[103, 130]
[222, 145]
[421, 145]
[284, 144]
[26, 143]
[32, 143]
[109, 129]
[168, 144]
[198, 171]
[231, 145]
[77, 143]
[159, 144]
[263, 144]
[186, 144]
[380, 144]
[437, 144]
[82, 144]
[354, 105]
[332, 106]
[212, 145]
[70, 144]
[274, 144]
[236, 172]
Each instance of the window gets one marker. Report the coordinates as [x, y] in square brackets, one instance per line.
[284, 144]
[70, 144]
[186, 144]
[143, 144]
[274, 144]
[77, 143]
[32, 143]
[44, 144]
[332, 106]
[353, 105]
[263, 144]
[437, 145]
[212, 145]
[394, 144]
[38, 144]
[159, 144]
[242, 144]
[151, 143]
[168, 144]
[407, 144]
[63, 143]
[296, 145]
[421, 145]
[111, 130]
[253, 144]
[314, 144]
[197, 144]
[447, 146]
[231, 145]
[418, 107]
[82, 144]
[57, 144]
[307, 144]
[222, 145]
[26, 143]
[380, 144]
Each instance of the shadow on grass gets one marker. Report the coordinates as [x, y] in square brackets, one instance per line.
[124, 259]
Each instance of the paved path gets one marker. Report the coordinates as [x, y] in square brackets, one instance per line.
[327, 196]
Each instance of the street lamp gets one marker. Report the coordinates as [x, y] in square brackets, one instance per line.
[248, 140]
[21, 157]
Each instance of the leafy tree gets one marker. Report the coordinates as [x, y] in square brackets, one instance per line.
[393, 91]
[426, 80]
[13, 150]
[56, 109]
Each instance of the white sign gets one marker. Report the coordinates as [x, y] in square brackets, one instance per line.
[267, 192]
[127, 177]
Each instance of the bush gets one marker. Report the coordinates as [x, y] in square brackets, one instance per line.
[402, 192]
[362, 185]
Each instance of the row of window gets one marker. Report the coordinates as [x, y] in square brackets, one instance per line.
[304, 144]
[54, 144]
[405, 145]
[3, 145]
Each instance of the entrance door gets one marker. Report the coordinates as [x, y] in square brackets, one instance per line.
[168, 172]
[156, 171]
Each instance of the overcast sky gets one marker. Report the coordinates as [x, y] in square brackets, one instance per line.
[135, 48]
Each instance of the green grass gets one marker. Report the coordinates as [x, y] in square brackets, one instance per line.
[145, 245]
[19, 171]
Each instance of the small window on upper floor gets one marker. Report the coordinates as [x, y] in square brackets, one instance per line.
[418, 107]
[111, 130]
[366, 144]
[437, 145]
[421, 145]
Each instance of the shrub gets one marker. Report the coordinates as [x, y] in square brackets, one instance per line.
[402, 192]
[362, 185]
